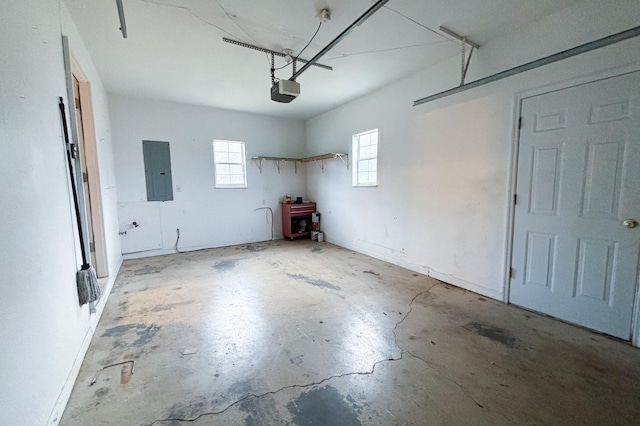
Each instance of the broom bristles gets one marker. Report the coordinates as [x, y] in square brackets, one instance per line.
[87, 282]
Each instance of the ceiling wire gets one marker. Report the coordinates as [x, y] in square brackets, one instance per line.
[192, 14]
[420, 24]
[232, 19]
[303, 49]
[413, 46]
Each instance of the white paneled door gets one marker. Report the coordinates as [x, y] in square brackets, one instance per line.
[576, 243]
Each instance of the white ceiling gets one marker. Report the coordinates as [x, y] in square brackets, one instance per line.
[174, 50]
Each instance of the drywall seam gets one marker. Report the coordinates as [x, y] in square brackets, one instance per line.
[65, 392]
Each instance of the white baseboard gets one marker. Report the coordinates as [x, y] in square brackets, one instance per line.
[447, 278]
[450, 279]
[166, 251]
[65, 393]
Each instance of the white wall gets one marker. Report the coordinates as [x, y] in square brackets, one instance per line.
[42, 328]
[442, 204]
[206, 217]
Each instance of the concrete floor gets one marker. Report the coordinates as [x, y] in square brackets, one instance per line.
[303, 333]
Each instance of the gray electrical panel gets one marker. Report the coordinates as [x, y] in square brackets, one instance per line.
[157, 170]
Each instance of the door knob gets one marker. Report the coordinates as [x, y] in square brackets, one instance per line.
[630, 223]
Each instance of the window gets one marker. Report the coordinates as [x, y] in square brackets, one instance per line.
[230, 165]
[364, 155]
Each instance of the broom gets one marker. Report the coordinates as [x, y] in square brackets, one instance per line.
[86, 278]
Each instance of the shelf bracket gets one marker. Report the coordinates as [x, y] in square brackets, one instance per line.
[344, 160]
[322, 165]
[295, 166]
[259, 162]
[279, 164]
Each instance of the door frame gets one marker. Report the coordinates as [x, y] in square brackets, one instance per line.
[90, 148]
[513, 175]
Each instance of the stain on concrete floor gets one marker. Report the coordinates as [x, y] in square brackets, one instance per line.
[260, 411]
[126, 372]
[102, 392]
[168, 306]
[314, 282]
[225, 265]
[254, 248]
[323, 406]
[241, 388]
[119, 330]
[148, 269]
[297, 360]
[188, 411]
[496, 334]
[145, 334]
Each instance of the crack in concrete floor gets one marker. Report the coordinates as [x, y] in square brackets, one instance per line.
[450, 355]
[462, 388]
[337, 376]
[435, 369]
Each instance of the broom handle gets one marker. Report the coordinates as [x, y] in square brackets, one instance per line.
[73, 181]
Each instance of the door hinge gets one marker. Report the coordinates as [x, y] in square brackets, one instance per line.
[92, 246]
[515, 199]
[511, 273]
[85, 177]
[77, 103]
[520, 123]
[75, 151]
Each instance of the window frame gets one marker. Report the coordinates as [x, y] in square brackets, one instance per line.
[356, 159]
[217, 164]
